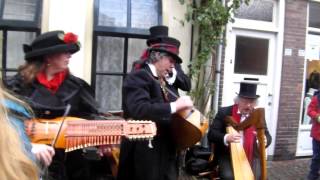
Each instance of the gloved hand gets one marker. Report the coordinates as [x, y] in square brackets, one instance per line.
[171, 79]
[43, 153]
[318, 119]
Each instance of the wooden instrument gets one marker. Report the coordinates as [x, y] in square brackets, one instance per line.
[77, 133]
[188, 127]
[257, 119]
[240, 164]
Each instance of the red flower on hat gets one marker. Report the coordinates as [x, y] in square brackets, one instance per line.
[70, 38]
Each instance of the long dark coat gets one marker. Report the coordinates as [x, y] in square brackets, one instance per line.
[143, 100]
[222, 154]
[46, 104]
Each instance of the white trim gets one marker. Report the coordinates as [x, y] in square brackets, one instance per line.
[277, 27]
[303, 127]
[277, 72]
[313, 30]
[255, 25]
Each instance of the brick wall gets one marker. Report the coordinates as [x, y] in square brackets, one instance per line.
[291, 80]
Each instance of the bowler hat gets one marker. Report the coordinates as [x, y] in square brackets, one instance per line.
[160, 41]
[50, 43]
[248, 90]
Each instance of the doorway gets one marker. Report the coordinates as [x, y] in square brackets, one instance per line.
[250, 56]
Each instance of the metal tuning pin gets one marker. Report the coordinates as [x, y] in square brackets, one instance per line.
[150, 144]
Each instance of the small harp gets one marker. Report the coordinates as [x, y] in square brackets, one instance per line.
[241, 167]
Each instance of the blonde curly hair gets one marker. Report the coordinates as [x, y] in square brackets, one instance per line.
[14, 162]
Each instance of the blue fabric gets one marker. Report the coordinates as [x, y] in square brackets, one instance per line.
[18, 124]
[315, 162]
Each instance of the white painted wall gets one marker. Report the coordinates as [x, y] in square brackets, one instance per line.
[172, 12]
[77, 16]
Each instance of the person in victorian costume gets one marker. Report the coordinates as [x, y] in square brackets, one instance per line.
[47, 85]
[177, 79]
[314, 113]
[245, 103]
[145, 98]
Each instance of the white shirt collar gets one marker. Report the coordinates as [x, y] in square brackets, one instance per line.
[153, 70]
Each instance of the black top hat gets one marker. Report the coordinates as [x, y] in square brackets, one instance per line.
[248, 90]
[160, 33]
[160, 41]
[50, 43]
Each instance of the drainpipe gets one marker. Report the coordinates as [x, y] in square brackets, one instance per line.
[217, 74]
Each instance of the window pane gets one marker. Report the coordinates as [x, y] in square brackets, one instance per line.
[261, 10]
[110, 54]
[135, 49]
[113, 13]
[314, 14]
[251, 56]
[108, 92]
[144, 13]
[10, 73]
[20, 9]
[15, 54]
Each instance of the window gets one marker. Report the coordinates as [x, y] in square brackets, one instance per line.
[261, 10]
[19, 24]
[120, 33]
[251, 56]
[314, 13]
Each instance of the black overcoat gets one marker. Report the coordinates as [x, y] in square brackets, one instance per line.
[216, 135]
[48, 105]
[45, 104]
[143, 100]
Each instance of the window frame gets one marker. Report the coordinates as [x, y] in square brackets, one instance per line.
[17, 25]
[121, 32]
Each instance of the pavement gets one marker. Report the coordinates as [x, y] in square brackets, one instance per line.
[296, 169]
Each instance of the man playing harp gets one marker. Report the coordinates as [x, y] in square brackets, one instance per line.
[244, 104]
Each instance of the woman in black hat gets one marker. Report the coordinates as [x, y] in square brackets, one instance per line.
[145, 98]
[245, 103]
[46, 83]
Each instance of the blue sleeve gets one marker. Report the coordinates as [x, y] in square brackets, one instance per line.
[18, 124]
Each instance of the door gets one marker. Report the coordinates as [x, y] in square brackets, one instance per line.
[250, 56]
[304, 144]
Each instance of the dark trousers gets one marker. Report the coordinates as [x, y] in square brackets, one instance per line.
[225, 168]
[75, 165]
[315, 162]
[140, 162]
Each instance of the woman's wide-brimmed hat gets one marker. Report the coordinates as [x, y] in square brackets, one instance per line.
[50, 43]
[248, 90]
[160, 41]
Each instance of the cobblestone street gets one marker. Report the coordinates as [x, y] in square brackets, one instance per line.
[280, 170]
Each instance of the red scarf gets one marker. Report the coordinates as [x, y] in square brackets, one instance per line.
[54, 84]
[249, 135]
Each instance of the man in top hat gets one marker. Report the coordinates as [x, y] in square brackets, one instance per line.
[176, 79]
[245, 102]
[146, 98]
